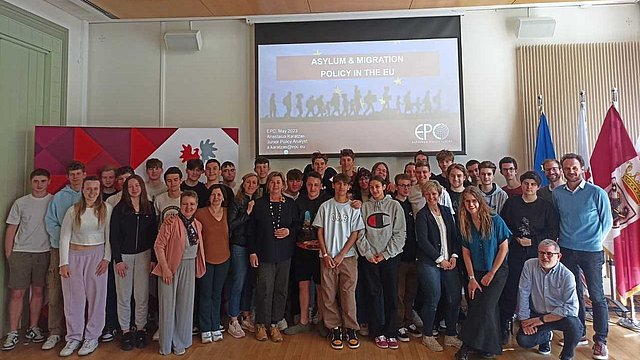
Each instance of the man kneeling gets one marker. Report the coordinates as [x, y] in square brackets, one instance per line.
[547, 301]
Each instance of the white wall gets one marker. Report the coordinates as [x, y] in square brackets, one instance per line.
[78, 50]
[214, 87]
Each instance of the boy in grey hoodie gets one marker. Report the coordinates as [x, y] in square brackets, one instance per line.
[380, 243]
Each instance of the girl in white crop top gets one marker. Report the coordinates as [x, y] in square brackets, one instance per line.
[84, 259]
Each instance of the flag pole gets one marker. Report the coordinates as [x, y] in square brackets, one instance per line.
[540, 102]
[632, 322]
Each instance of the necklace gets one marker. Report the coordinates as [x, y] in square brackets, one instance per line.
[276, 213]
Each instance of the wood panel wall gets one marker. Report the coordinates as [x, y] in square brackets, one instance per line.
[560, 72]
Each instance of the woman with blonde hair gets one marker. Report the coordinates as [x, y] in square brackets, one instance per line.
[85, 254]
[180, 254]
[276, 222]
[484, 249]
[242, 278]
[438, 241]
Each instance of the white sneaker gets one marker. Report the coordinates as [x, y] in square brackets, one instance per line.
[156, 336]
[282, 324]
[51, 342]
[11, 341]
[205, 336]
[34, 334]
[217, 336]
[69, 348]
[88, 346]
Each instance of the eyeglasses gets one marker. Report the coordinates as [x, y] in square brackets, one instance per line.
[509, 169]
[547, 253]
[404, 186]
[555, 168]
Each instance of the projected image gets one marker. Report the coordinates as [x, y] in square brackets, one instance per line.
[395, 95]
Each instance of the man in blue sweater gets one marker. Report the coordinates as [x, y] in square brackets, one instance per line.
[61, 202]
[585, 219]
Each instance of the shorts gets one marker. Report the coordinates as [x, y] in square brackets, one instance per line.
[305, 265]
[28, 269]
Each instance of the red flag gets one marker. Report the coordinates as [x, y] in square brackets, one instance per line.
[616, 168]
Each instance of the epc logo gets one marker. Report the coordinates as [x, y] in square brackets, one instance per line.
[438, 131]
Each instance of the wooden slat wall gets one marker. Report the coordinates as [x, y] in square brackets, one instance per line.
[559, 72]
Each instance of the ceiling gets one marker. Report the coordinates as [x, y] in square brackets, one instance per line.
[167, 9]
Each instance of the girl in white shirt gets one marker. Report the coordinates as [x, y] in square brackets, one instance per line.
[84, 258]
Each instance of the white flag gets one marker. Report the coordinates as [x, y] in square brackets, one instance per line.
[583, 144]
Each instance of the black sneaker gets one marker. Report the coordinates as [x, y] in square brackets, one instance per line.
[336, 338]
[464, 353]
[414, 331]
[141, 339]
[352, 339]
[127, 341]
[403, 335]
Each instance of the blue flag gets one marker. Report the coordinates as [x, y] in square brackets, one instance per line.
[544, 148]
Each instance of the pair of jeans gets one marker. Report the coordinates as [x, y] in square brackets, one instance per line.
[237, 276]
[571, 329]
[439, 284]
[211, 285]
[590, 263]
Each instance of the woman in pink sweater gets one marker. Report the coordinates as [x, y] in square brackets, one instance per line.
[180, 254]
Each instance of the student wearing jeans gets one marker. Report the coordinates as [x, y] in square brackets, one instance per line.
[338, 225]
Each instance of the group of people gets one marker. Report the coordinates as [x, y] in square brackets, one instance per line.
[375, 253]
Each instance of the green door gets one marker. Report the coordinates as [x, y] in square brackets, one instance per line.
[32, 92]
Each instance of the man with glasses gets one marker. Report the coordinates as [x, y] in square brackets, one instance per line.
[547, 301]
[509, 170]
[531, 219]
[585, 220]
[553, 173]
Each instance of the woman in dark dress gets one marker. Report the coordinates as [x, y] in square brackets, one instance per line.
[484, 249]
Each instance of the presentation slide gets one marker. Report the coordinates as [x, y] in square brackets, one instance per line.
[376, 97]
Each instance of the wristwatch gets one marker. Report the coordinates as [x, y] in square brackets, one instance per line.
[542, 319]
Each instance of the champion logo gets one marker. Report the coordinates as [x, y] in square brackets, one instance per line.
[378, 220]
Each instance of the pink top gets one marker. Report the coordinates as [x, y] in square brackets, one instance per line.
[172, 238]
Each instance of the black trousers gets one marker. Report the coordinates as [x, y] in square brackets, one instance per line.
[382, 282]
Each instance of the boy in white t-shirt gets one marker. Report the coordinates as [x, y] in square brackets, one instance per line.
[27, 251]
[338, 224]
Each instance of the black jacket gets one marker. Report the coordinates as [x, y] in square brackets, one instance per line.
[131, 233]
[428, 235]
[239, 226]
[409, 251]
[263, 242]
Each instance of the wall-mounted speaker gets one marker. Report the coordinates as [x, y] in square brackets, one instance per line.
[535, 27]
[188, 40]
